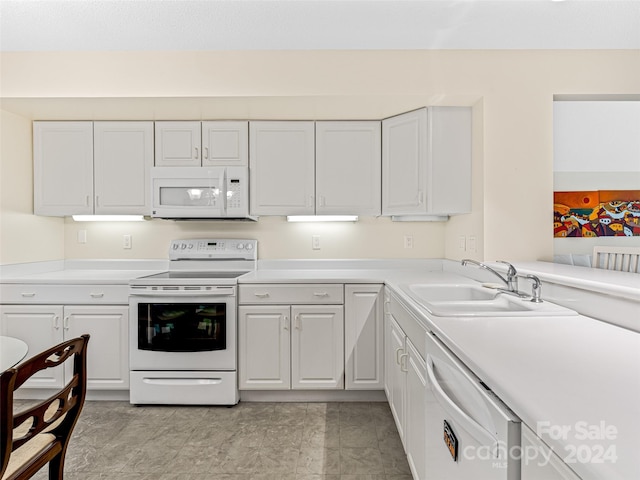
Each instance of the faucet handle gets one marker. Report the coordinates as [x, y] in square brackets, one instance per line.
[536, 288]
[512, 270]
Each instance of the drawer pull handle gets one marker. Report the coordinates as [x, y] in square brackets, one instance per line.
[398, 356]
[320, 294]
[28, 294]
[285, 323]
[261, 295]
[97, 295]
[65, 325]
[56, 322]
[403, 363]
[298, 322]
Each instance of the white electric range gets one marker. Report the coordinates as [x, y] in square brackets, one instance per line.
[183, 324]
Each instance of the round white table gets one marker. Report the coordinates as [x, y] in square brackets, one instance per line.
[12, 351]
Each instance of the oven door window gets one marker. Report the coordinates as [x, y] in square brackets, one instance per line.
[182, 327]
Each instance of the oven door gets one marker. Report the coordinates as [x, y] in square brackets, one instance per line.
[183, 330]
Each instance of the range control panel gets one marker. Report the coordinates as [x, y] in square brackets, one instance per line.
[213, 248]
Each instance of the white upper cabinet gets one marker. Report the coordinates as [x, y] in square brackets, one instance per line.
[307, 168]
[225, 143]
[123, 156]
[63, 168]
[178, 144]
[195, 144]
[92, 167]
[281, 168]
[426, 162]
[348, 169]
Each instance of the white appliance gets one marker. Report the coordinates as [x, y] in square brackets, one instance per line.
[471, 434]
[183, 323]
[200, 193]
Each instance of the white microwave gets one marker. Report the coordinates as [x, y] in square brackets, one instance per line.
[191, 193]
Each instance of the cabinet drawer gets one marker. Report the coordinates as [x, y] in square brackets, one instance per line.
[292, 294]
[64, 294]
[413, 328]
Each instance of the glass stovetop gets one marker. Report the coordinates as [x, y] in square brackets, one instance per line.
[189, 275]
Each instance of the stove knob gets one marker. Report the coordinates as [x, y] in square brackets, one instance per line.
[175, 246]
[190, 246]
[183, 246]
[240, 246]
[249, 246]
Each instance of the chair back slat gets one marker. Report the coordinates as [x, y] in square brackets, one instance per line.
[622, 259]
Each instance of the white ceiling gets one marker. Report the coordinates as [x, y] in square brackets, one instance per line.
[50, 25]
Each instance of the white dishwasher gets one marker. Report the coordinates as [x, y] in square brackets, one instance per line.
[470, 434]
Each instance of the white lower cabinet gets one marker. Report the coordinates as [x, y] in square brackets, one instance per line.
[43, 326]
[415, 428]
[539, 462]
[405, 386]
[395, 342]
[286, 347]
[317, 347]
[363, 337]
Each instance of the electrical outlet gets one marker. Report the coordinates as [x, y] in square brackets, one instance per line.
[408, 241]
[471, 245]
[82, 236]
[126, 241]
[315, 242]
[462, 243]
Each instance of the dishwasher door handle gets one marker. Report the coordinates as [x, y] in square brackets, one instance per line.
[476, 430]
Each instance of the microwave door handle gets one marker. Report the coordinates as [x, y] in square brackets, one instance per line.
[223, 191]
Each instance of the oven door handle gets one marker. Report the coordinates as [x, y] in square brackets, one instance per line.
[178, 382]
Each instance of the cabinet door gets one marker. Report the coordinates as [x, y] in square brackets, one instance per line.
[397, 382]
[178, 144]
[415, 425]
[264, 347]
[363, 337]
[63, 168]
[317, 347]
[225, 143]
[123, 156]
[281, 160]
[40, 326]
[404, 163]
[108, 350]
[348, 169]
[449, 190]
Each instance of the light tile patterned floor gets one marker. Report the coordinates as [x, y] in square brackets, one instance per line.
[251, 441]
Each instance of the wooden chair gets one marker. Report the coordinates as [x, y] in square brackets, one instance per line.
[623, 259]
[40, 434]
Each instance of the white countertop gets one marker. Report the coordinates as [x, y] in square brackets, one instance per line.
[80, 272]
[623, 284]
[570, 371]
[561, 370]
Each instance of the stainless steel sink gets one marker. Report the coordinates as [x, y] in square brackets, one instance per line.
[470, 300]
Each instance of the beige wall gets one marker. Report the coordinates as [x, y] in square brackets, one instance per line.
[511, 91]
[23, 236]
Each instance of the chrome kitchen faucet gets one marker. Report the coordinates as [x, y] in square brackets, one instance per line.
[512, 280]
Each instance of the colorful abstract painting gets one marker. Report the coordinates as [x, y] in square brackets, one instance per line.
[601, 213]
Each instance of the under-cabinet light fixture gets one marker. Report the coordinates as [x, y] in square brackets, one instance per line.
[108, 218]
[322, 218]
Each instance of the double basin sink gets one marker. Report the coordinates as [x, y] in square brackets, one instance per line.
[472, 300]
